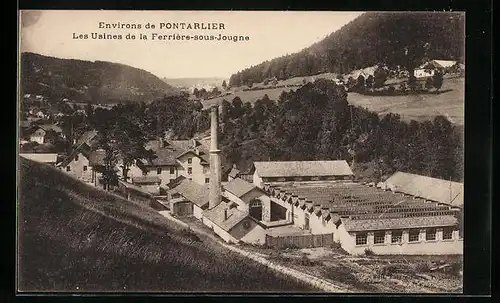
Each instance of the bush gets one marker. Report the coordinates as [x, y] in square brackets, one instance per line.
[290, 246]
[402, 87]
[189, 234]
[391, 89]
[422, 267]
[369, 252]
[305, 261]
[455, 268]
[277, 256]
[336, 245]
[342, 274]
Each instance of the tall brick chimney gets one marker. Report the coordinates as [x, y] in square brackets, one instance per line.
[215, 195]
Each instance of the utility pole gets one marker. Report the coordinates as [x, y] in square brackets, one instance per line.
[450, 190]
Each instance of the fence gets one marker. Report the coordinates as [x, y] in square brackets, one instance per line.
[300, 241]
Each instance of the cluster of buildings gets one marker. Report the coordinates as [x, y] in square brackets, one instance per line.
[406, 214]
[428, 68]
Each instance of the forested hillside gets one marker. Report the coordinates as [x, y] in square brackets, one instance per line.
[315, 122]
[403, 39]
[86, 81]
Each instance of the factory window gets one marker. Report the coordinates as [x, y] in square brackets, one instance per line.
[207, 180]
[85, 168]
[447, 233]
[190, 160]
[172, 170]
[190, 170]
[361, 239]
[158, 171]
[396, 236]
[379, 237]
[68, 168]
[430, 234]
[414, 235]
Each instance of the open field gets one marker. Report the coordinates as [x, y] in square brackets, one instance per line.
[450, 103]
[419, 107]
[76, 238]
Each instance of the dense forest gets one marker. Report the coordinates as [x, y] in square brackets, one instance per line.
[87, 81]
[314, 122]
[404, 39]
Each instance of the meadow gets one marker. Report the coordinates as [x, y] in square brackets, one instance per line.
[76, 238]
[420, 107]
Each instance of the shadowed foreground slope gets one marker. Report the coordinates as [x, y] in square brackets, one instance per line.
[73, 237]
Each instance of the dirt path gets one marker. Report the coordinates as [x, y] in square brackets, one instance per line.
[312, 280]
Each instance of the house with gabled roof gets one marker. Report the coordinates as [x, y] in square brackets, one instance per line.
[428, 68]
[45, 133]
[80, 164]
[174, 158]
[188, 198]
[83, 162]
[289, 171]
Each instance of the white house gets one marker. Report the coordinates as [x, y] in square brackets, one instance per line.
[38, 136]
[82, 164]
[175, 158]
[427, 69]
[188, 198]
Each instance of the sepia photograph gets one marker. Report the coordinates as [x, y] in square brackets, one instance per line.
[240, 152]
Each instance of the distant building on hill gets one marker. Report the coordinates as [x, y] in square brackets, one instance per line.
[428, 68]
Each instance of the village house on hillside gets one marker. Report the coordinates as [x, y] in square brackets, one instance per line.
[83, 162]
[174, 158]
[45, 133]
[428, 68]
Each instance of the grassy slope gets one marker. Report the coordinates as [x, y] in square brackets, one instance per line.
[73, 237]
[416, 107]
[419, 107]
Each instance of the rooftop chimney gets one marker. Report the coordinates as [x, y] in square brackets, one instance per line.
[215, 195]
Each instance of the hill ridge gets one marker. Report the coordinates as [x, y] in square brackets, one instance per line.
[65, 247]
[393, 38]
[89, 81]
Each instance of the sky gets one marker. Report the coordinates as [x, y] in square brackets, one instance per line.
[270, 34]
